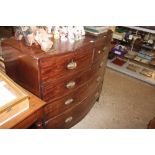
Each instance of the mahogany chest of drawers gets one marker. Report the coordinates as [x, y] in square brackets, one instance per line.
[69, 78]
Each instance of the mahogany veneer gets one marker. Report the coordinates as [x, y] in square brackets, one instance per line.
[69, 77]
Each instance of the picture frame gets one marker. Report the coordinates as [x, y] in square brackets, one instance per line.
[11, 94]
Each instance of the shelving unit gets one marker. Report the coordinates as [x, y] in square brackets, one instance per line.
[133, 52]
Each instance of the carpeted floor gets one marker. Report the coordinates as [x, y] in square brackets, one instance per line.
[125, 103]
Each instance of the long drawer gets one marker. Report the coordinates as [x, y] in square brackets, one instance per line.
[65, 65]
[52, 90]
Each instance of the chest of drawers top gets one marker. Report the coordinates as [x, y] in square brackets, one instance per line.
[59, 47]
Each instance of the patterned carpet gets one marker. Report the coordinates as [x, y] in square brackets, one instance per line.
[125, 103]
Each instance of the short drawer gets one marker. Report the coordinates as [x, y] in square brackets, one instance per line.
[58, 66]
[53, 90]
[101, 41]
[100, 53]
[57, 107]
[100, 64]
[71, 116]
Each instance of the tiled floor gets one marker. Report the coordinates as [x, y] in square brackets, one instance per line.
[125, 103]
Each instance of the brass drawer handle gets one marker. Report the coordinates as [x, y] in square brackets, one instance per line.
[97, 95]
[105, 49]
[72, 65]
[69, 101]
[98, 79]
[69, 119]
[70, 84]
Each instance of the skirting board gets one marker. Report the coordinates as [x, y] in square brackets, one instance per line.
[136, 75]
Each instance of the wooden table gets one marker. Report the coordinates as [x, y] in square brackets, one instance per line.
[33, 115]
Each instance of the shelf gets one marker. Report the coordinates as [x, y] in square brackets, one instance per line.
[141, 29]
[137, 75]
[140, 63]
[131, 45]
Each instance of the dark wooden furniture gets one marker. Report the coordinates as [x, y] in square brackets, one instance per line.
[69, 78]
[32, 116]
[151, 124]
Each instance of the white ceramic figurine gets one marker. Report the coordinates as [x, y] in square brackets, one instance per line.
[71, 34]
[63, 33]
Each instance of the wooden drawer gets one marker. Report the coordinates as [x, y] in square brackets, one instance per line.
[100, 64]
[71, 116]
[102, 41]
[58, 66]
[51, 91]
[100, 53]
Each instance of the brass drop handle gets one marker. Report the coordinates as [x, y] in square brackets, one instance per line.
[69, 119]
[105, 49]
[70, 84]
[98, 79]
[97, 95]
[69, 101]
[72, 65]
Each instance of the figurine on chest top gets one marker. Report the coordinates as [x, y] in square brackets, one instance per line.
[63, 33]
[79, 32]
[56, 32]
[71, 34]
[43, 40]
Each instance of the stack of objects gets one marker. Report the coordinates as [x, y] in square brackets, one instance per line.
[96, 30]
[145, 56]
[68, 33]
[34, 35]
[43, 35]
